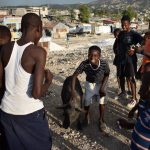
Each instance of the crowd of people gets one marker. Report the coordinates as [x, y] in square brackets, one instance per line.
[24, 79]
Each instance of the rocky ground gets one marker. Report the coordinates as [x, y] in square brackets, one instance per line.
[63, 64]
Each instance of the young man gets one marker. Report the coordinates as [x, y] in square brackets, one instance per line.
[144, 49]
[5, 37]
[141, 132]
[115, 49]
[97, 73]
[23, 117]
[127, 64]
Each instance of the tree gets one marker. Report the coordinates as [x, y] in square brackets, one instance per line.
[84, 13]
[72, 15]
[130, 12]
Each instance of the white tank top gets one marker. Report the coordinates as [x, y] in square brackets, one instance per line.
[18, 99]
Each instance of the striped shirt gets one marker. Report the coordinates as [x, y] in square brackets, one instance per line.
[94, 75]
[141, 132]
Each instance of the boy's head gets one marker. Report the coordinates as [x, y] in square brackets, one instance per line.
[5, 35]
[116, 32]
[125, 23]
[94, 54]
[147, 37]
[31, 23]
[145, 87]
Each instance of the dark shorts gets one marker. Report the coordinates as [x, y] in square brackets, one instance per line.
[26, 132]
[127, 70]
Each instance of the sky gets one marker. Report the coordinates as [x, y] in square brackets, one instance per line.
[39, 2]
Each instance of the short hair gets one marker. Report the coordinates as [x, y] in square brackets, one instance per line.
[30, 20]
[94, 48]
[4, 32]
[117, 30]
[147, 34]
[126, 18]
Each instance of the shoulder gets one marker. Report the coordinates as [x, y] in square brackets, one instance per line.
[7, 49]
[36, 51]
[36, 48]
[134, 33]
[85, 62]
[103, 61]
[8, 46]
[121, 34]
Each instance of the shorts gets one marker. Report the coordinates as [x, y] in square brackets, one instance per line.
[26, 132]
[91, 93]
[127, 70]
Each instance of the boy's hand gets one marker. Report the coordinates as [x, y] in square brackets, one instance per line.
[131, 51]
[48, 76]
[102, 92]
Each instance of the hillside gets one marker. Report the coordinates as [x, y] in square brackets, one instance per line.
[140, 4]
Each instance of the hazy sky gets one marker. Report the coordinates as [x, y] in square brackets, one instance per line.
[39, 2]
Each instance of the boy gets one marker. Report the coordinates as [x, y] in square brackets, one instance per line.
[115, 49]
[144, 50]
[23, 116]
[127, 64]
[141, 132]
[5, 37]
[97, 73]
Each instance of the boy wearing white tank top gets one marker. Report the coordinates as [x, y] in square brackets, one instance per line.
[23, 116]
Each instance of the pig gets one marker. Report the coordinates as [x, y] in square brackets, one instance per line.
[72, 107]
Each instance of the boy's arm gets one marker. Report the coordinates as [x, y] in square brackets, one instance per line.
[139, 50]
[104, 81]
[74, 77]
[103, 85]
[40, 88]
[1, 70]
[78, 71]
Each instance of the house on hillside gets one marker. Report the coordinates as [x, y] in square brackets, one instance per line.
[18, 12]
[58, 30]
[110, 22]
[98, 28]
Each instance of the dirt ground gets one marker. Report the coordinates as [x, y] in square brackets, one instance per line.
[63, 64]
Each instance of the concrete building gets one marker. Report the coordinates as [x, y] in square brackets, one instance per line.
[4, 12]
[41, 11]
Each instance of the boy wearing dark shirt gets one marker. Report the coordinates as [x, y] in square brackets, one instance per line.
[97, 73]
[115, 50]
[127, 64]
